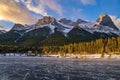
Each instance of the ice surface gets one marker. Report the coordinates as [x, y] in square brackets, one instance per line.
[45, 68]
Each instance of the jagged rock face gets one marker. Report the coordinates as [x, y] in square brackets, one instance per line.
[106, 20]
[46, 20]
[67, 22]
[18, 27]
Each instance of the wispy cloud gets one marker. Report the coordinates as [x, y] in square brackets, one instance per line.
[11, 11]
[39, 9]
[116, 21]
[77, 13]
[88, 2]
[40, 6]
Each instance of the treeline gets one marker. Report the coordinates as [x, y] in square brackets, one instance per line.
[100, 46]
[19, 49]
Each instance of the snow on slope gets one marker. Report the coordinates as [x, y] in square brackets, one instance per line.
[93, 26]
[66, 25]
[2, 31]
[63, 28]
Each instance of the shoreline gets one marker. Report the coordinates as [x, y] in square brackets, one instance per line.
[82, 57]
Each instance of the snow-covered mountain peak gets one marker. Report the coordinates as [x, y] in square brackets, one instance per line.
[95, 27]
[104, 24]
[101, 17]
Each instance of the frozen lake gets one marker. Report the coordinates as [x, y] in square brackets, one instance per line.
[41, 68]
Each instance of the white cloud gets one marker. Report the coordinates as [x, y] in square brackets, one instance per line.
[40, 6]
[86, 2]
[11, 11]
[77, 13]
[116, 21]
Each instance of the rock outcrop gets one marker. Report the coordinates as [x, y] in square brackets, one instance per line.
[45, 20]
[106, 21]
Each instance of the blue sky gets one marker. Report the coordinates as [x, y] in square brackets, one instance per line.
[28, 11]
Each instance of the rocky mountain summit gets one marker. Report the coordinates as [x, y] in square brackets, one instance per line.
[45, 20]
[106, 20]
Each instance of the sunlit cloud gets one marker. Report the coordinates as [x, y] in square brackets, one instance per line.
[27, 11]
[88, 2]
[11, 11]
[116, 21]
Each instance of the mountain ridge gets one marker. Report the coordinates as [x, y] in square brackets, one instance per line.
[61, 30]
